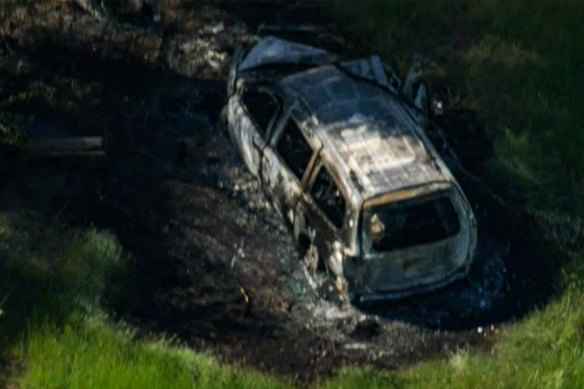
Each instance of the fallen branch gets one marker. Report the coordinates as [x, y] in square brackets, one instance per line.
[56, 147]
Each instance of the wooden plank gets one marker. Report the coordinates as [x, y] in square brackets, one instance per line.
[73, 146]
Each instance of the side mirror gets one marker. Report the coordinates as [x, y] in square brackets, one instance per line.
[421, 99]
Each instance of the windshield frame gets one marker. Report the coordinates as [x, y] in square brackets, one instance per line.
[416, 195]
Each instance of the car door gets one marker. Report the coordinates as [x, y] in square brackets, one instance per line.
[287, 162]
[252, 115]
[324, 209]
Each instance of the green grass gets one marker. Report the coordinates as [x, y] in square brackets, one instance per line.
[48, 273]
[92, 353]
[49, 270]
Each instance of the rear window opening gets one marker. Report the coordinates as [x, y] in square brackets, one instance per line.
[397, 227]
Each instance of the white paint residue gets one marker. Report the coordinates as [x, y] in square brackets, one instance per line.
[356, 346]
[368, 151]
[327, 311]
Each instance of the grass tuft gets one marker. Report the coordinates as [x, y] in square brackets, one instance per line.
[92, 353]
[11, 134]
[494, 51]
[50, 270]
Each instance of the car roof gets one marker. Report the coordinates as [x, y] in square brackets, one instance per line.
[365, 131]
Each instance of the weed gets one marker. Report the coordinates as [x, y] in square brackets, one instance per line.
[11, 134]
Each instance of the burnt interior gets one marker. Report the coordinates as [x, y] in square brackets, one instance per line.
[294, 149]
[328, 197]
[407, 225]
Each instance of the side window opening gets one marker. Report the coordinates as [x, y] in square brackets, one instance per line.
[294, 149]
[328, 197]
[261, 106]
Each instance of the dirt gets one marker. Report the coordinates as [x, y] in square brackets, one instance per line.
[209, 260]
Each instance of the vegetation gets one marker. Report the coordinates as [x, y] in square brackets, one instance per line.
[91, 353]
[11, 135]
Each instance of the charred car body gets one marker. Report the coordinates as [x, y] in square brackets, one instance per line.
[341, 149]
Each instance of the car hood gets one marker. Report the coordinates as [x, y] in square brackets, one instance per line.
[274, 51]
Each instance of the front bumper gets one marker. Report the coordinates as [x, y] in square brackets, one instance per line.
[380, 295]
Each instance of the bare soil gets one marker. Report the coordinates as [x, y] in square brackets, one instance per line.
[209, 260]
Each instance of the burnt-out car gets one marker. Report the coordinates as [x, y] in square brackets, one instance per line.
[341, 149]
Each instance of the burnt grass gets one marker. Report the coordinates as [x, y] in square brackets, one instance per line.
[207, 260]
